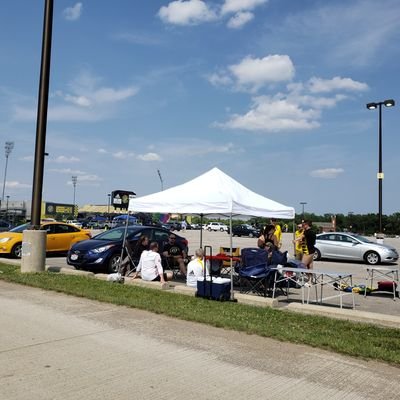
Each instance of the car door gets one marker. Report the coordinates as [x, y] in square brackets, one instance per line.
[350, 250]
[60, 236]
[328, 245]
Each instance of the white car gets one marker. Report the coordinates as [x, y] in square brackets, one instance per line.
[216, 226]
[75, 223]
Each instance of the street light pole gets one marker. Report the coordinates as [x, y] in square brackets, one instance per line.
[161, 180]
[303, 203]
[8, 148]
[108, 204]
[373, 106]
[74, 181]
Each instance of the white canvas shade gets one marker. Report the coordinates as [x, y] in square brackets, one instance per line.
[214, 192]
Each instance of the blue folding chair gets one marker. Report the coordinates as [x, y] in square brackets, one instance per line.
[254, 271]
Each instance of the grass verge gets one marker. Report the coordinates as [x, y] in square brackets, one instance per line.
[354, 339]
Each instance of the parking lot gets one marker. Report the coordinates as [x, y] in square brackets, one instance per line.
[377, 303]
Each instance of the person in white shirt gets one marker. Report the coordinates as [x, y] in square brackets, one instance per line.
[150, 267]
[195, 269]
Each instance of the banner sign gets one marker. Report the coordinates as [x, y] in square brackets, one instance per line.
[120, 198]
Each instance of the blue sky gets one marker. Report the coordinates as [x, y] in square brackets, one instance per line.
[272, 92]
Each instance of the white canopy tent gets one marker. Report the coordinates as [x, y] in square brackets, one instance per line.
[214, 192]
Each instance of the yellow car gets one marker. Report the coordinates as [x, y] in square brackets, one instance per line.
[60, 237]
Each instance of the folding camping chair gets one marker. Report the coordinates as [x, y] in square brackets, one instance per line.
[226, 264]
[254, 271]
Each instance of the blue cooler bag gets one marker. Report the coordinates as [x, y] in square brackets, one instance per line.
[215, 289]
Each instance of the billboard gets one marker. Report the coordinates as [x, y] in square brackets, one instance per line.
[120, 198]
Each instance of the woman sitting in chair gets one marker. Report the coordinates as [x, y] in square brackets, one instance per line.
[195, 268]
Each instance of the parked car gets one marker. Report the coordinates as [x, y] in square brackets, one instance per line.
[74, 222]
[244, 230]
[4, 226]
[216, 226]
[103, 251]
[60, 237]
[172, 225]
[353, 247]
[121, 220]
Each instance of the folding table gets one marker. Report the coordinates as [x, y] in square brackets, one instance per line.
[389, 273]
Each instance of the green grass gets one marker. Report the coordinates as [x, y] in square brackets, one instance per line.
[354, 339]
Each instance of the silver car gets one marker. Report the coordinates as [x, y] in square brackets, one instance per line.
[353, 247]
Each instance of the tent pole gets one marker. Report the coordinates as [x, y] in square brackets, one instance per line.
[230, 231]
[201, 231]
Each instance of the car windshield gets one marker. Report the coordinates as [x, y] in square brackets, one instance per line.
[20, 228]
[361, 238]
[117, 234]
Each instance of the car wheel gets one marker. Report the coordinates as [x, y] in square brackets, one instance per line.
[113, 264]
[222, 229]
[317, 255]
[372, 258]
[16, 251]
[251, 235]
[209, 229]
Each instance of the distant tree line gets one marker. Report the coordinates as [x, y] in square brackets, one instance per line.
[365, 224]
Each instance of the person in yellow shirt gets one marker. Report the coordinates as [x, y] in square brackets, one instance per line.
[298, 235]
[278, 232]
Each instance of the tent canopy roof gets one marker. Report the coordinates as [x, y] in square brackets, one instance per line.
[214, 192]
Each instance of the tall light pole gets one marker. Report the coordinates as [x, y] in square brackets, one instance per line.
[74, 181]
[373, 106]
[161, 179]
[303, 203]
[108, 204]
[7, 207]
[8, 148]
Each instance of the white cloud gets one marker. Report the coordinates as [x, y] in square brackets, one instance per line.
[220, 79]
[78, 100]
[122, 155]
[102, 151]
[327, 173]
[27, 158]
[15, 185]
[233, 6]
[149, 157]
[240, 19]
[73, 13]
[64, 159]
[318, 85]
[67, 171]
[87, 178]
[256, 72]
[274, 115]
[189, 12]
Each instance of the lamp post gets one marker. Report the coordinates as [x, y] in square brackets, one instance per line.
[373, 106]
[7, 207]
[74, 181]
[161, 179]
[8, 148]
[303, 203]
[108, 203]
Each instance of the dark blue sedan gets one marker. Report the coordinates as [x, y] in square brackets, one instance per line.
[103, 252]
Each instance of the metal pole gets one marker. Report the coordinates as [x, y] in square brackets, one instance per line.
[42, 115]
[8, 148]
[380, 173]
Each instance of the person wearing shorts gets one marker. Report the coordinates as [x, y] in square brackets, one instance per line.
[308, 245]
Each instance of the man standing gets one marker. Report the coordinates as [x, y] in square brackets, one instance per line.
[150, 266]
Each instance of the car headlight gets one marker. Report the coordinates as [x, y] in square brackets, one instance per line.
[102, 249]
[5, 239]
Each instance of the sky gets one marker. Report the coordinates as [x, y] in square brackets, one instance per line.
[272, 92]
